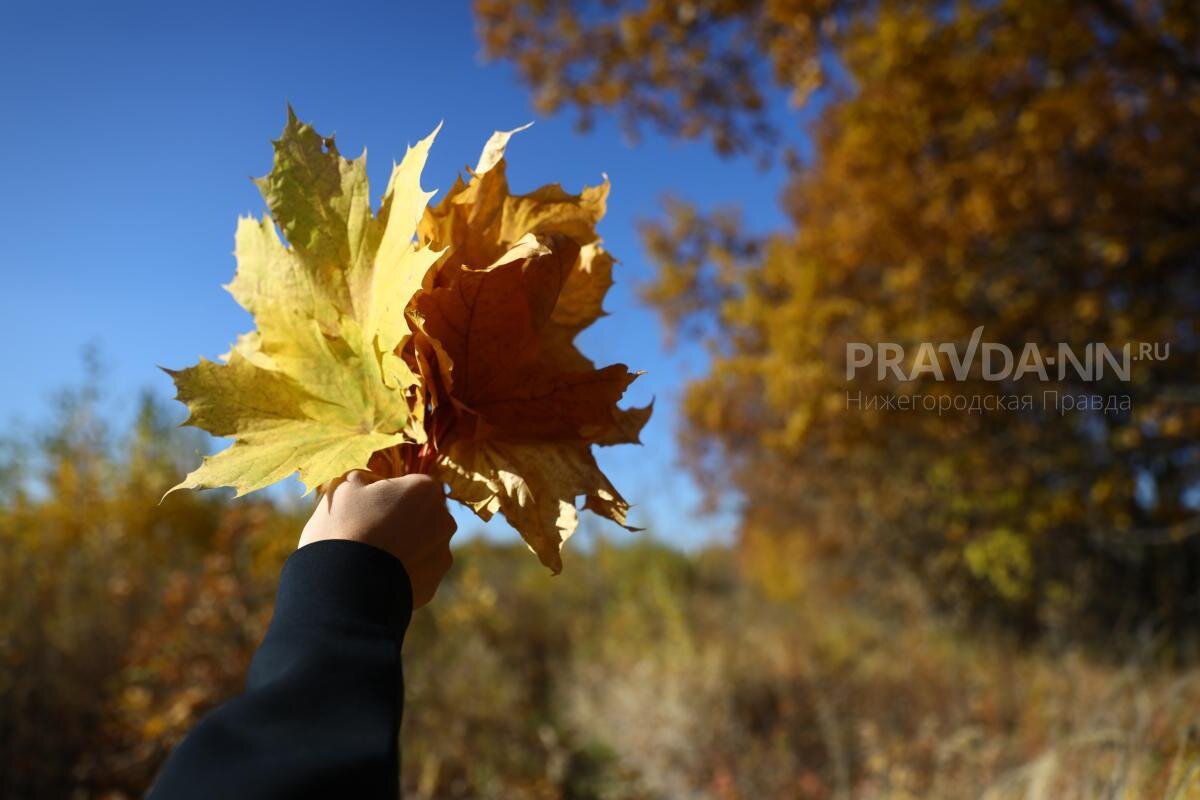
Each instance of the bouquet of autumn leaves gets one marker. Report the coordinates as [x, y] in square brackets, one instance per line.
[435, 339]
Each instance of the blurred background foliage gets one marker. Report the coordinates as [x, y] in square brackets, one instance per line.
[997, 605]
[641, 672]
[1023, 165]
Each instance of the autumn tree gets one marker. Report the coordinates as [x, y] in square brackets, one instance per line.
[1026, 166]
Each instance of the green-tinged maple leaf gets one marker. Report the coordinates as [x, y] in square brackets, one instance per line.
[320, 384]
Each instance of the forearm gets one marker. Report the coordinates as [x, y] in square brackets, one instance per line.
[324, 694]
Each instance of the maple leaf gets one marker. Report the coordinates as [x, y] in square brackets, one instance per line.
[480, 221]
[522, 275]
[319, 386]
[535, 485]
[491, 360]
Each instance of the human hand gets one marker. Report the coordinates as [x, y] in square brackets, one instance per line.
[405, 516]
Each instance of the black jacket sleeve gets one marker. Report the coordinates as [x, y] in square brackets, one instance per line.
[321, 711]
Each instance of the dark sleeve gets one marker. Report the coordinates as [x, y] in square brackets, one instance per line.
[321, 711]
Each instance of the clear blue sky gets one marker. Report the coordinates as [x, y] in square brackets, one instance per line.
[130, 131]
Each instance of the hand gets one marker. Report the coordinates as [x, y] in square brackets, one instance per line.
[405, 516]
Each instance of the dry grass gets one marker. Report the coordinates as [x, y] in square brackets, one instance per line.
[639, 673]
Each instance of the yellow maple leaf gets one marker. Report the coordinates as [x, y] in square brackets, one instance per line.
[320, 385]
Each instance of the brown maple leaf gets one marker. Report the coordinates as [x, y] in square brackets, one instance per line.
[516, 405]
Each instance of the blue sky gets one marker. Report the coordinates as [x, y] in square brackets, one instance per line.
[131, 131]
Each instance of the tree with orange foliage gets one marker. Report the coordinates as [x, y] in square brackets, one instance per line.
[1026, 166]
